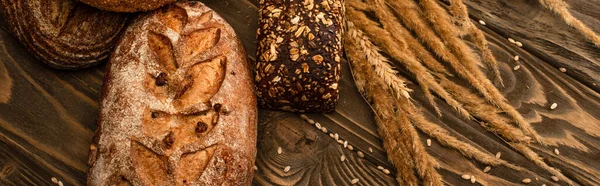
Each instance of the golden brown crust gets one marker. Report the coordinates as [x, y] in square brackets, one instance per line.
[64, 34]
[298, 55]
[127, 5]
[178, 105]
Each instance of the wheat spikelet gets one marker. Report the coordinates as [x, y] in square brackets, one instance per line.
[459, 12]
[394, 143]
[383, 39]
[561, 8]
[391, 125]
[380, 63]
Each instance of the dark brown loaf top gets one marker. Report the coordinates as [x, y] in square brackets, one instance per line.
[65, 34]
[178, 105]
[127, 5]
[299, 52]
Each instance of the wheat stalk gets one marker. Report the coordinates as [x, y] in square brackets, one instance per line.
[441, 23]
[394, 143]
[459, 11]
[389, 121]
[561, 8]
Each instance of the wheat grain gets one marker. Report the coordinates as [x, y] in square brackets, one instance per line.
[466, 176]
[526, 180]
[553, 106]
[562, 69]
[487, 169]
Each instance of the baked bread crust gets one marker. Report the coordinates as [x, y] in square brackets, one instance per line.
[298, 55]
[178, 105]
[64, 34]
[127, 5]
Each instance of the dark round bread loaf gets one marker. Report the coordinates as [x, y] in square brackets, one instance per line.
[65, 34]
[298, 55]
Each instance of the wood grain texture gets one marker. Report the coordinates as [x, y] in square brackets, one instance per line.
[46, 125]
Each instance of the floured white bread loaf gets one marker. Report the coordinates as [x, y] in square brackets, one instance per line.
[178, 106]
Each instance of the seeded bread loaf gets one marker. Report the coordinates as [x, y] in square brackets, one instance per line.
[65, 34]
[298, 54]
[178, 104]
[127, 5]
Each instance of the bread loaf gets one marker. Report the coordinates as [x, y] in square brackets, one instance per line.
[298, 54]
[64, 34]
[178, 105]
[127, 5]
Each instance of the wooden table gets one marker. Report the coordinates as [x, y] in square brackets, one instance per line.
[48, 116]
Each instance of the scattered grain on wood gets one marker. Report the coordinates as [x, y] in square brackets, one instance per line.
[370, 149]
[279, 150]
[304, 117]
[345, 144]
[287, 169]
[331, 135]
[473, 179]
[318, 125]
[255, 167]
[487, 169]
[517, 67]
[466, 176]
[482, 22]
[518, 43]
[386, 171]
[312, 122]
[350, 147]
[553, 106]
[498, 154]
[340, 142]
[511, 40]
[562, 69]
[516, 58]
[556, 151]
[324, 130]
[526, 180]
[354, 181]
[380, 167]
[429, 142]
[54, 180]
[554, 178]
[343, 158]
[360, 154]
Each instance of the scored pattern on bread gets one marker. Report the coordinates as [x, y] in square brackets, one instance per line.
[178, 88]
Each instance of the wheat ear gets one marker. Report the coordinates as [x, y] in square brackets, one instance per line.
[561, 8]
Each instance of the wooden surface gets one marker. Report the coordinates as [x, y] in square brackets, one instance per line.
[47, 116]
